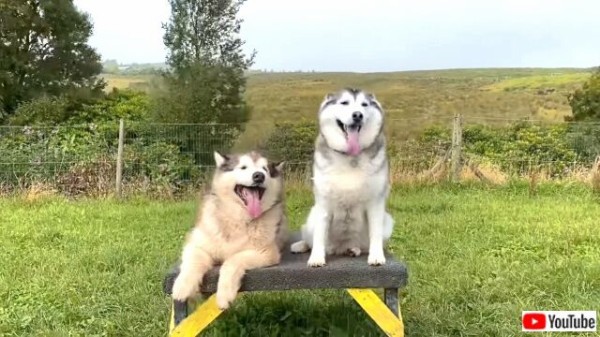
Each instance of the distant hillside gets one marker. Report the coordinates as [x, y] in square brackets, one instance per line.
[414, 99]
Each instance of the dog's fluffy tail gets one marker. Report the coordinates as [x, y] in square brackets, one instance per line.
[299, 247]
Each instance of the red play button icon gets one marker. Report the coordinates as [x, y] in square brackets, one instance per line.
[533, 321]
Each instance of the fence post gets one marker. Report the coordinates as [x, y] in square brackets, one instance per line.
[455, 160]
[120, 157]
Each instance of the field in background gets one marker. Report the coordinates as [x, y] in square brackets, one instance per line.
[170, 159]
[477, 257]
[140, 82]
[413, 100]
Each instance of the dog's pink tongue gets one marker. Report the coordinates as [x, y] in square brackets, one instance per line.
[353, 145]
[252, 203]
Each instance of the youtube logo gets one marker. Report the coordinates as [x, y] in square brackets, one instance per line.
[574, 321]
[533, 321]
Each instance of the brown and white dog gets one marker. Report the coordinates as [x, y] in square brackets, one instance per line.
[242, 225]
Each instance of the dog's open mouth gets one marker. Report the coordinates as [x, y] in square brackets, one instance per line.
[251, 197]
[351, 133]
[247, 193]
[345, 128]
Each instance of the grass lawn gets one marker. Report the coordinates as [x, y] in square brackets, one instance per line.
[477, 257]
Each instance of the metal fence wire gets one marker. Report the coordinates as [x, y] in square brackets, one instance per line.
[85, 159]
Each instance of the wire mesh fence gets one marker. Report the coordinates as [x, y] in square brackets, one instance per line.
[177, 158]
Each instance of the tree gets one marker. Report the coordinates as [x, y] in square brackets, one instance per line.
[44, 52]
[206, 32]
[585, 102]
[206, 78]
[585, 105]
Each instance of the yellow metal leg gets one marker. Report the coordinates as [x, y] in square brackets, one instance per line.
[208, 311]
[193, 325]
[391, 325]
[172, 319]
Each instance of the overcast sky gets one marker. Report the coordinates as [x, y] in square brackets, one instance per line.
[379, 35]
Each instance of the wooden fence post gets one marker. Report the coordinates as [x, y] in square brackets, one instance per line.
[456, 149]
[120, 158]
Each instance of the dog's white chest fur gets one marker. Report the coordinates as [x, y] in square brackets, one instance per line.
[345, 190]
[347, 185]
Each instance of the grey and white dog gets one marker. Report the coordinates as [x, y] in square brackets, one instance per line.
[350, 181]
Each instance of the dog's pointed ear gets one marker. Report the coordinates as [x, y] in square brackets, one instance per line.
[373, 101]
[220, 159]
[328, 99]
[279, 166]
[275, 169]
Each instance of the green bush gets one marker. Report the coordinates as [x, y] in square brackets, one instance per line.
[41, 153]
[584, 139]
[293, 142]
[126, 104]
[44, 110]
[23, 153]
[523, 145]
[436, 135]
[484, 141]
[71, 156]
[119, 103]
[585, 102]
[160, 163]
[37, 152]
[514, 148]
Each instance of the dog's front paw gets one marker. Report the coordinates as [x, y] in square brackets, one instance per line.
[376, 259]
[316, 261]
[184, 288]
[225, 298]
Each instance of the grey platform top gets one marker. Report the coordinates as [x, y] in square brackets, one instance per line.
[293, 273]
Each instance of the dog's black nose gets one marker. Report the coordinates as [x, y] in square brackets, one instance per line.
[258, 177]
[357, 116]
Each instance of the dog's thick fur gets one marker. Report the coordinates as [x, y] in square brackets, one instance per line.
[350, 181]
[228, 233]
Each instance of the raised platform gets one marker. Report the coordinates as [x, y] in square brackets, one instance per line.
[341, 272]
[292, 273]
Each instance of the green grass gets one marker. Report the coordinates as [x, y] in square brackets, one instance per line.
[477, 257]
[541, 81]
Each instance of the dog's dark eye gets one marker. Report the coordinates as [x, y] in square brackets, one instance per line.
[365, 104]
[243, 167]
[265, 168]
[344, 103]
